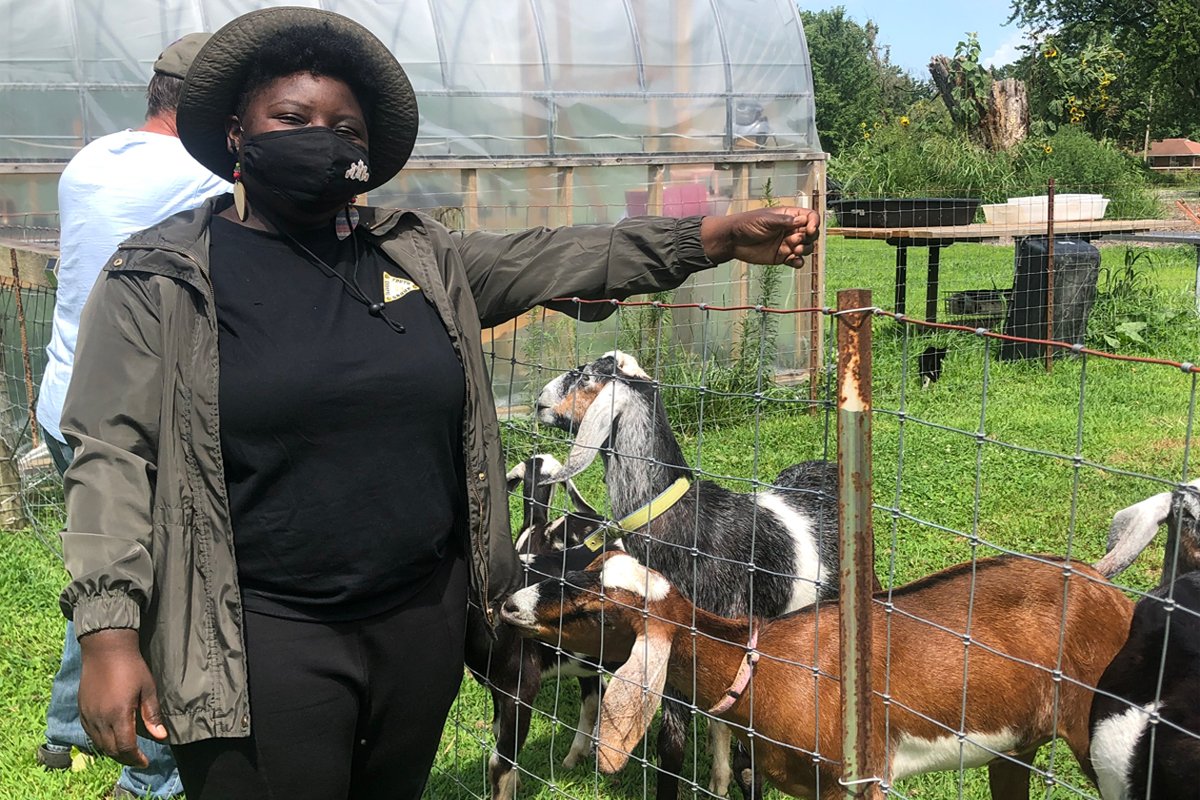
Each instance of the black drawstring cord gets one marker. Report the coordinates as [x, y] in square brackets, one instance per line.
[374, 309]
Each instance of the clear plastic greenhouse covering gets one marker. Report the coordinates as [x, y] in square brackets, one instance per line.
[496, 79]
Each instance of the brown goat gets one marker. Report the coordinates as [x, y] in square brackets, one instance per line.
[1011, 607]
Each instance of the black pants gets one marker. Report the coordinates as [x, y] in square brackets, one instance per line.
[341, 710]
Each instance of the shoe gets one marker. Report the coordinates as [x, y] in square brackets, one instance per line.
[119, 792]
[53, 758]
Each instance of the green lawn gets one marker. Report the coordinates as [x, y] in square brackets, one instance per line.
[1134, 420]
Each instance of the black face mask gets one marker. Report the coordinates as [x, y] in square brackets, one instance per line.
[313, 169]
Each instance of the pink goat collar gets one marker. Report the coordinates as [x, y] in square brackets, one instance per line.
[742, 679]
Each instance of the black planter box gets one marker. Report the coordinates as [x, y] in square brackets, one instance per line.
[905, 212]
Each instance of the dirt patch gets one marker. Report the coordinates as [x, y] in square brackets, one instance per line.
[1167, 449]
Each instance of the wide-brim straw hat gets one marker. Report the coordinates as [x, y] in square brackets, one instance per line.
[220, 69]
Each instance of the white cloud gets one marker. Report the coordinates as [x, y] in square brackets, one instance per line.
[1008, 52]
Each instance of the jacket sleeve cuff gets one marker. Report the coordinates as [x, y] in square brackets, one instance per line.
[100, 613]
[689, 251]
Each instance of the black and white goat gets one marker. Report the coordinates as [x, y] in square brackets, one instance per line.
[732, 554]
[511, 667]
[1146, 735]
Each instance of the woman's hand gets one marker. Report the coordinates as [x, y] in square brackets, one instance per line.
[114, 687]
[781, 235]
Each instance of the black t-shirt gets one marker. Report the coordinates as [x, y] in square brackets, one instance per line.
[342, 438]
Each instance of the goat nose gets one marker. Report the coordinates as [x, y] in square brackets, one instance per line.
[510, 606]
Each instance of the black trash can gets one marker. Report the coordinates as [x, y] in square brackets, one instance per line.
[1076, 271]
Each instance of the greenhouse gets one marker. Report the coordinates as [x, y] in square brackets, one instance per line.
[533, 112]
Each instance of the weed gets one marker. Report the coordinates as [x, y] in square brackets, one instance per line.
[1130, 312]
[897, 163]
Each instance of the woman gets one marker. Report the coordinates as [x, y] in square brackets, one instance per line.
[295, 568]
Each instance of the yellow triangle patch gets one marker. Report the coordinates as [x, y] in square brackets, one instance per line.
[394, 288]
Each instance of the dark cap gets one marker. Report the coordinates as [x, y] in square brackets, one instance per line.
[176, 59]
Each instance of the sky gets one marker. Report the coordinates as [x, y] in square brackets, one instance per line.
[918, 30]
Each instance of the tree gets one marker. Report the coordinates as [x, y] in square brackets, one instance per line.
[1085, 87]
[1160, 41]
[854, 81]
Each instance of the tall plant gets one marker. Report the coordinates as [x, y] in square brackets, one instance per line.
[717, 392]
[758, 333]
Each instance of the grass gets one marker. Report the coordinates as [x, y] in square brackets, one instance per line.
[31, 635]
[1134, 420]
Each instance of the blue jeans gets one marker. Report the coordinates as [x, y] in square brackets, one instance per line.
[63, 727]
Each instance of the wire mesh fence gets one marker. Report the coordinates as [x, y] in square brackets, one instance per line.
[999, 474]
[30, 489]
[982, 449]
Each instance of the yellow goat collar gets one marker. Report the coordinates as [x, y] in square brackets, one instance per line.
[643, 516]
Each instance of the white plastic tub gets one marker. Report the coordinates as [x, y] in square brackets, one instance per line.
[1034, 210]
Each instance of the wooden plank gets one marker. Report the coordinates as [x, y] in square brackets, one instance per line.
[33, 168]
[470, 191]
[8, 282]
[509, 328]
[741, 202]
[625, 160]
[981, 232]
[816, 297]
[655, 179]
[631, 159]
[566, 195]
[1174, 237]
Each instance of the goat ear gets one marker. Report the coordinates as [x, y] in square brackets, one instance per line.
[515, 476]
[594, 431]
[581, 506]
[537, 494]
[633, 696]
[1132, 529]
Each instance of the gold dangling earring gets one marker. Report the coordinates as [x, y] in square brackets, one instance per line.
[239, 193]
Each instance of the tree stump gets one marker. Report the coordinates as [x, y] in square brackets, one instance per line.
[946, 82]
[1003, 114]
[1006, 123]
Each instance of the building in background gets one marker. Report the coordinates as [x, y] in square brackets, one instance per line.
[1175, 154]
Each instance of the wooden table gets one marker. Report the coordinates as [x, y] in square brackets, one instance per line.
[939, 236]
[1165, 237]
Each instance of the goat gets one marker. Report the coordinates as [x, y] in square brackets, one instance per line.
[513, 668]
[1146, 736]
[733, 554]
[929, 365]
[1011, 608]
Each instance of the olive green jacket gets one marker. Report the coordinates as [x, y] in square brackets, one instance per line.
[148, 540]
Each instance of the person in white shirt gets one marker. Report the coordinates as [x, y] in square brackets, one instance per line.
[114, 187]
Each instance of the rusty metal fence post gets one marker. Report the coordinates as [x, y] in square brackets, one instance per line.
[860, 761]
[1050, 273]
